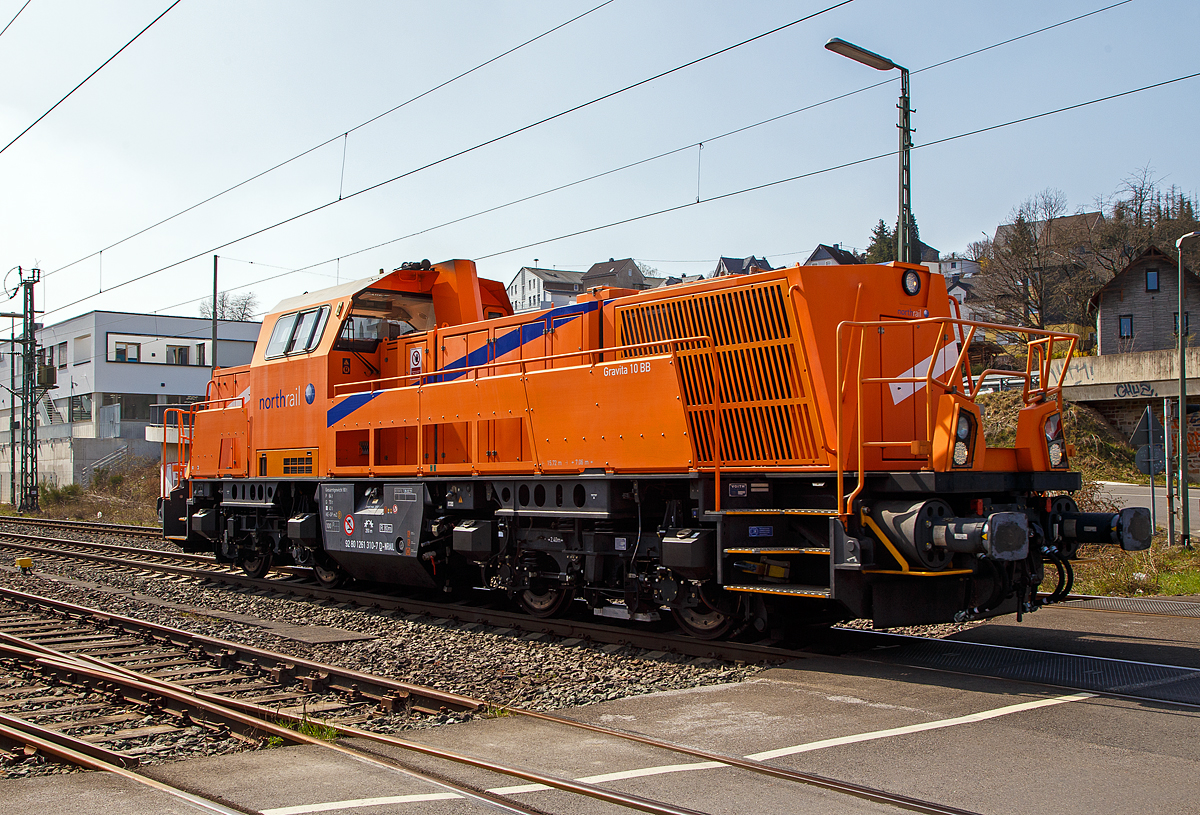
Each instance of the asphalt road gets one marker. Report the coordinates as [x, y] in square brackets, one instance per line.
[1138, 495]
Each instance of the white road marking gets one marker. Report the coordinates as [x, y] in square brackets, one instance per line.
[920, 728]
[361, 802]
[643, 772]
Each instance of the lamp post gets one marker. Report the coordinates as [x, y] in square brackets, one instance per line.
[904, 247]
[1185, 532]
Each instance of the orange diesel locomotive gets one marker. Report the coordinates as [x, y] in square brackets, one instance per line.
[788, 447]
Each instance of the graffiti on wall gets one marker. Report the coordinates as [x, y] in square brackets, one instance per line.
[1134, 390]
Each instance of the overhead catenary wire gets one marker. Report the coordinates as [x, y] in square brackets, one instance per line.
[685, 147]
[89, 76]
[344, 136]
[465, 151]
[15, 16]
[755, 188]
[842, 166]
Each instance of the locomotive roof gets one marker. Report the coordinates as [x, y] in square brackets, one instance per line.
[314, 298]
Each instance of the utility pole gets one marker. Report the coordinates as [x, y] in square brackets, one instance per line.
[214, 332]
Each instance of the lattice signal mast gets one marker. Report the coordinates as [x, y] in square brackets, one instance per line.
[36, 379]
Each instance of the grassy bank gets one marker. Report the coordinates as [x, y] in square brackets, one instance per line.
[123, 495]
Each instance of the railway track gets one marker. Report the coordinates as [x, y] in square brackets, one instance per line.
[195, 681]
[1119, 678]
[94, 526]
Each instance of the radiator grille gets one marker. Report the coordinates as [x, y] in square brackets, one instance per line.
[767, 411]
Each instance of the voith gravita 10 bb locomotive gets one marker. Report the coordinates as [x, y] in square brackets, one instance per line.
[784, 448]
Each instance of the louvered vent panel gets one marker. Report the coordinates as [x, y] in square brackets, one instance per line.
[766, 406]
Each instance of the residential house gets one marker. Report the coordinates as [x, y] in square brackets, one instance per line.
[1138, 310]
[115, 374]
[953, 267]
[835, 255]
[534, 289]
[728, 266]
[1065, 231]
[620, 274]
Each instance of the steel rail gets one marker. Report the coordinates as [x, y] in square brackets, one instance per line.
[9, 724]
[39, 739]
[760, 767]
[116, 529]
[256, 716]
[113, 547]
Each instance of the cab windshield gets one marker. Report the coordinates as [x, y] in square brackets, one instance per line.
[382, 315]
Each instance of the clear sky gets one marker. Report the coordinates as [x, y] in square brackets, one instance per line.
[218, 91]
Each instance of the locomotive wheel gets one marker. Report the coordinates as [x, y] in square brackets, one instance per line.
[709, 620]
[257, 565]
[329, 577]
[551, 602]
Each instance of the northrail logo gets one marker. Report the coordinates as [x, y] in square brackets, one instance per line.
[287, 400]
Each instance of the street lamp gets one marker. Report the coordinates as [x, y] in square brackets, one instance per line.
[1185, 536]
[904, 248]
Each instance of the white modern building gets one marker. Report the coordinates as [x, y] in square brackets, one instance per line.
[115, 374]
[533, 289]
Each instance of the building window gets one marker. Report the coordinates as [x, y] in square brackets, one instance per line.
[200, 353]
[1152, 280]
[83, 349]
[128, 352]
[62, 355]
[177, 355]
[49, 349]
[81, 408]
[1186, 324]
[1126, 327]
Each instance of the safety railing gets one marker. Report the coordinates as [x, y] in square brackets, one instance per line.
[1040, 351]
[173, 472]
[185, 424]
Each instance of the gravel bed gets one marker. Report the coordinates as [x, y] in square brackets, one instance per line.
[938, 631]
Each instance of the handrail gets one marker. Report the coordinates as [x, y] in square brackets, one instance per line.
[1042, 345]
[182, 440]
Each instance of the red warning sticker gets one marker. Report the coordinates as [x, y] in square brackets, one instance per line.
[348, 524]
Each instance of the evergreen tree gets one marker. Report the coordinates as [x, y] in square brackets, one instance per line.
[882, 247]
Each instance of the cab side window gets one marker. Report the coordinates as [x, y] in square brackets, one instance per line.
[297, 333]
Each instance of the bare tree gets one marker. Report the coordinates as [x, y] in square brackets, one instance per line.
[236, 307]
[1139, 215]
[1016, 285]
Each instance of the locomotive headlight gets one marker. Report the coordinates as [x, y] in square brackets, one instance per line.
[911, 282]
[964, 427]
[964, 438]
[1056, 454]
[961, 453]
[1056, 445]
